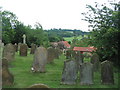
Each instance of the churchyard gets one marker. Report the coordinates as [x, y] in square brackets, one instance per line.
[35, 57]
[58, 73]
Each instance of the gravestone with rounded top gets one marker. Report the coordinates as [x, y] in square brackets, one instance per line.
[9, 52]
[33, 47]
[40, 59]
[39, 85]
[107, 75]
[95, 62]
[23, 49]
[16, 47]
[86, 74]
[51, 54]
[69, 74]
[78, 57]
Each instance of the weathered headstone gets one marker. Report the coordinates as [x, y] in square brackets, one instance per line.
[24, 39]
[19, 44]
[23, 49]
[7, 77]
[40, 59]
[69, 74]
[95, 62]
[86, 74]
[57, 53]
[107, 75]
[39, 86]
[78, 57]
[9, 52]
[16, 47]
[33, 47]
[51, 54]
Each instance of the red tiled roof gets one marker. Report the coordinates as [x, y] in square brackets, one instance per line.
[84, 49]
[66, 44]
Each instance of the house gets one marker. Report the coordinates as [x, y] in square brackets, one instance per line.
[84, 49]
[66, 44]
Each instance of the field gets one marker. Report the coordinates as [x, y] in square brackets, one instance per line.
[71, 38]
[23, 77]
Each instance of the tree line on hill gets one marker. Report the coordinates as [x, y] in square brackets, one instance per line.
[13, 30]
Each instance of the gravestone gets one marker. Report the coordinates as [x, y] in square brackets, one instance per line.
[9, 52]
[95, 62]
[107, 75]
[58, 52]
[68, 54]
[23, 50]
[24, 39]
[78, 57]
[51, 54]
[86, 74]
[7, 77]
[33, 47]
[69, 74]
[19, 44]
[16, 47]
[40, 59]
[39, 86]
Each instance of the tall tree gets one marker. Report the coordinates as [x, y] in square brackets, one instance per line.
[105, 29]
[8, 21]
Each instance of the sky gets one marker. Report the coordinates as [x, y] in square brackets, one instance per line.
[65, 14]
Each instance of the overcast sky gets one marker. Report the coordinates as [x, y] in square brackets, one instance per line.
[65, 14]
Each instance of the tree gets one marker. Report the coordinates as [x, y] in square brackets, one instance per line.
[19, 29]
[8, 21]
[105, 29]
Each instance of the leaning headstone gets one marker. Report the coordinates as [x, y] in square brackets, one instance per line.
[33, 47]
[40, 59]
[95, 62]
[23, 50]
[38, 86]
[86, 74]
[7, 77]
[9, 52]
[69, 74]
[107, 75]
[51, 54]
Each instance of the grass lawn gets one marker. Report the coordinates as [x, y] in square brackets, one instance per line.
[23, 77]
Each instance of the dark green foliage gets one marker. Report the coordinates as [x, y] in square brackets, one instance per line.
[8, 21]
[104, 34]
[13, 30]
[56, 35]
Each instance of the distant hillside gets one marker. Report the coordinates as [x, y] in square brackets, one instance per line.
[65, 32]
